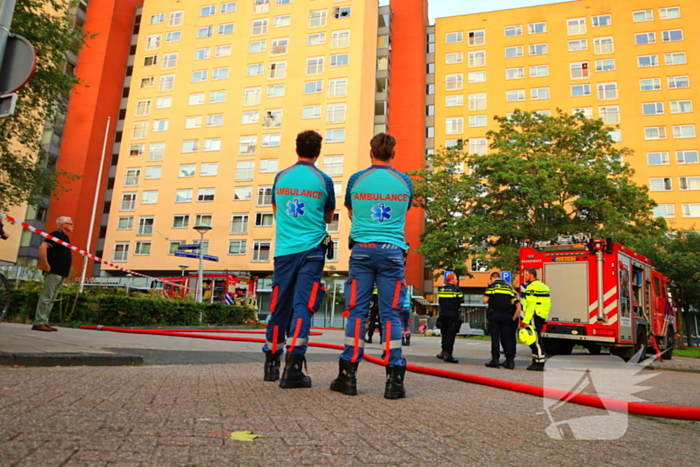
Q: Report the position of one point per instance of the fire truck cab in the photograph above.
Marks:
(240, 290)
(603, 295)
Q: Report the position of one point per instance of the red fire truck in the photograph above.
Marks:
(603, 295)
(242, 289)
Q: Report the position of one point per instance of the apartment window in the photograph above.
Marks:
(665, 210)
(453, 58)
(335, 136)
(340, 39)
(683, 131)
(680, 107)
(239, 224)
(251, 117)
(139, 130)
(256, 69)
(578, 45)
(340, 60)
(196, 98)
(453, 37)
(610, 114)
(149, 197)
(242, 193)
(337, 87)
(511, 31)
(313, 87)
(333, 166)
(205, 32)
(173, 36)
(160, 125)
(477, 101)
(576, 26)
(145, 226)
(183, 195)
(651, 84)
(335, 113)
(657, 158)
(539, 71)
(314, 65)
(264, 196)
(342, 12)
(602, 20)
(278, 70)
(174, 246)
(169, 61)
(653, 108)
(166, 82)
(645, 61)
(275, 90)
(157, 19)
(187, 170)
(477, 121)
(131, 177)
(338, 189)
(538, 49)
(655, 132)
(215, 120)
(691, 210)
(477, 58)
(150, 60)
(454, 82)
(225, 29)
(136, 149)
(660, 184)
(316, 39)
(163, 102)
(212, 144)
(672, 35)
(678, 82)
(603, 45)
(454, 125)
(203, 219)
(222, 51)
(279, 46)
(478, 146)
(143, 107)
(269, 166)
(261, 6)
(208, 10)
(586, 111)
(687, 157)
(273, 119)
(259, 27)
(271, 141)
(536, 28)
(476, 77)
(147, 82)
(193, 122)
(477, 37)
(190, 145)
(607, 91)
(642, 15)
(121, 252)
(153, 172)
(128, 202)
(202, 54)
(252, 96)
(334, 226)
(199, 76)
(513, 52)
(258, 46)
(318, 18)
(205, 195)
(156, 151)
(645, 38)
(539, 93)
(237, 247)
(677, 58)
(281, 21)
(579, 90)
(515, 95)
(605, 65)
(261, 252)
(579, 70)
(669, 13)
(689, 183)
(247, 145)
(125, 223)
(311, 111)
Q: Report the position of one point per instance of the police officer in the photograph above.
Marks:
(377, 200)
(450, 299)
(502, 314)
(406, 320)
(303, 202)
(536, 309)
(373, 321)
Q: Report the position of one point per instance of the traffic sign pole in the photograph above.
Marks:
(7, 9)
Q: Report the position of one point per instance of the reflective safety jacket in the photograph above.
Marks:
(450, 298)
(500, 295)
(537, 300)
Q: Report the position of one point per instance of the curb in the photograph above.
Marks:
(67, 359)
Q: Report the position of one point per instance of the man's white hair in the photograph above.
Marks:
(62, 219)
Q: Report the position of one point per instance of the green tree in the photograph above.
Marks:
(24, 174)
(446, 194)
(553, 175)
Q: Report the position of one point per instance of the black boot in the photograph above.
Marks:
(346, 382)
(441, 355)
(509, 364)
(408, 340)
(536, 366)
(493, 363)
(449, 358)
(369, 340)
(394, 382)
(292, 376)
(272, 366)
(403, 341)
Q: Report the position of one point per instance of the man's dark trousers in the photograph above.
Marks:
(502, 330)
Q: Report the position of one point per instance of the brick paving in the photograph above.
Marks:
(162, 415)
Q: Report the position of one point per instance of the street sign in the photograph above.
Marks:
(7, 105)
(506, 276)
(182, 254)
(18, 64)
(189, 247)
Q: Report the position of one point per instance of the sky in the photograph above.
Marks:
(441, 8)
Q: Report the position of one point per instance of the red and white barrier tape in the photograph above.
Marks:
(83, 252)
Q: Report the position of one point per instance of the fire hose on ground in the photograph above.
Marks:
(635, 408)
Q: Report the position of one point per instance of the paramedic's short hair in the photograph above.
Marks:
(309, 144)
(62, 220)
(383, 146)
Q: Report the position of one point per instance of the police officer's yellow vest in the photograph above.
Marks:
(537, 300)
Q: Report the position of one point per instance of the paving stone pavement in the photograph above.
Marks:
(162, 415)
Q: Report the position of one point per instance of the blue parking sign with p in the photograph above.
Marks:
(506, 276)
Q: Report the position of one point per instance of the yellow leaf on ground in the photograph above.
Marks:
(243, 436)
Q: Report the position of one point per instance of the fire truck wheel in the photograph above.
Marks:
(594, 349)
(667, 354)
(557, 346)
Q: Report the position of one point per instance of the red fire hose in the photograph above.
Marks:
(635, 408)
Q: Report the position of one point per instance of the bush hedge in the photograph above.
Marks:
(124, 311)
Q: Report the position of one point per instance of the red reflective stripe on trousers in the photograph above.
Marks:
(353, 294)
(356, 342)
(397, 294)
(387, 342)
(275, 334)
(296, 335)
(312, 297)
(273, 302)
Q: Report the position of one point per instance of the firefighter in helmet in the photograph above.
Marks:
(536, 309)
(450, 299)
